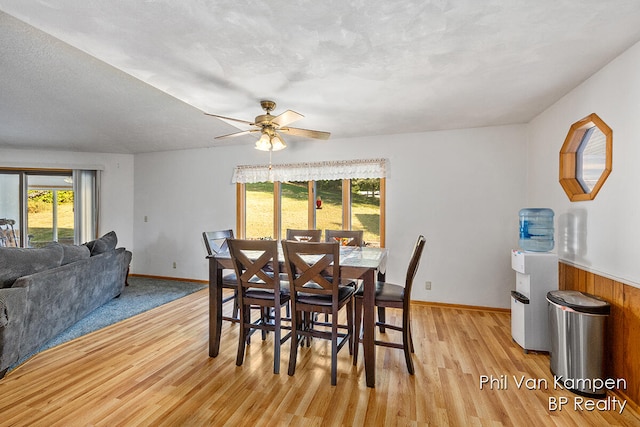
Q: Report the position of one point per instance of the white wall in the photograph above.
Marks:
(600, 235)
(117, 183)
(462, 189)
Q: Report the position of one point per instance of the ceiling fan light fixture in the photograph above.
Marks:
(277, 143)
(264, 143)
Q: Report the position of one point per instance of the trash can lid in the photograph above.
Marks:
(579, 301)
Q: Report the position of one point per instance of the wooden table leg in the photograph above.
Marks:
(215, 306)
(369, 328)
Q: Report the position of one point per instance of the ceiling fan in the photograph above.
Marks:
(270, 128)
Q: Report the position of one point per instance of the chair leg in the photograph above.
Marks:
(295, 327)
(410, 338)
(350, 325)
(276, 341)
(307, 324)
(407, 345)
(334, 350)
(356, 329)
(382, 318)
(264, 315)
(236, 308)
(242, 334)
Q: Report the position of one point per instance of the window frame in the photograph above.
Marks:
(79, 227)
(569, 161)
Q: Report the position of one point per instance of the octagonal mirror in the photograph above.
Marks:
(585, 158)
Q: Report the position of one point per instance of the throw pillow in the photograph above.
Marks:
(105, 243)
(18, 262)
(73, 253)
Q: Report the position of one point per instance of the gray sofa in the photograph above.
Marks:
(44, 291)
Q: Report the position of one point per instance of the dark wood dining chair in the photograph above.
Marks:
(216, 242)
(393, 296)
(257, 268)
(345, 237)
(303, 235)
(315, 285)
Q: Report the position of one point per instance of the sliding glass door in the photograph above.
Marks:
(50, 213)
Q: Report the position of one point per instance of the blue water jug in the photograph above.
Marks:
(536, 229)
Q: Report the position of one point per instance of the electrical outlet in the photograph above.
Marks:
(174, 264)
(427, 285)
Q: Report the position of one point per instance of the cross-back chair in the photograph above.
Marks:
(345, 237)
(393, 296)
(258, 271)
(216, 242)
(303, 235)
(315, 285)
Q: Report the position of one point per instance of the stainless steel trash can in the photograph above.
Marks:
(577, 325)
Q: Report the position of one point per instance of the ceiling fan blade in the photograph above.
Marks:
(233, 135)
(316, 134)
(232, 119)
(287, 117)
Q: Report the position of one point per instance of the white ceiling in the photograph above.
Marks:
(136, 76)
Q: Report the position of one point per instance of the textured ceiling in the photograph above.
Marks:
(135, 76)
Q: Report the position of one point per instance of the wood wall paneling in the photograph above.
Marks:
(622, 358)
(630, 340)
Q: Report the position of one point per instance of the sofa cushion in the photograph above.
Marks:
(73, 253)
(18, 262)
(105, 243)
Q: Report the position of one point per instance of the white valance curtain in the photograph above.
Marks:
(311, 171)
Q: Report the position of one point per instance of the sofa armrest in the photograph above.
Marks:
(13, 302)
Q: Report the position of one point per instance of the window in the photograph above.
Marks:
(259, 198)
(585, 158)
(590, 158)
(294, 202)
(38, 207)
(365, 208)
(330, 211)
(273, 203)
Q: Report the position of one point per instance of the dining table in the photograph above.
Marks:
(361, 263)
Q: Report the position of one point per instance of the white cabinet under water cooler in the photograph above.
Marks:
(536, 274)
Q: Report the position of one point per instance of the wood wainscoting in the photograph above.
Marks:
(623, 326)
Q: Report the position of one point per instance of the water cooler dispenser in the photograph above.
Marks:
(536, 274)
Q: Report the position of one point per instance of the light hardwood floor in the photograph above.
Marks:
(153, 369)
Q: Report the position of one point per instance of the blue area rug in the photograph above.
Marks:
(141, 295)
